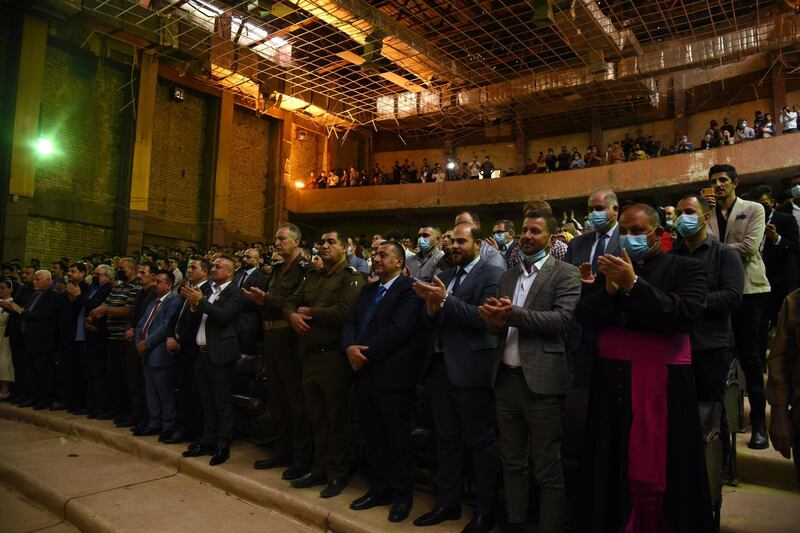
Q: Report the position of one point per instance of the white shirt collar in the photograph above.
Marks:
(250, 270)
(389, 283)
(610, 231)
(221, 287)
(537, 266)
(471, 264)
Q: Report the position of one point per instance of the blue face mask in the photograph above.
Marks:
(500, 239)
(687, 225)
(349, 252)
(599, 219)
(424, 244)
(314, 251)
(670, 223)
(635, 245)
(796, 191)
(532, 258)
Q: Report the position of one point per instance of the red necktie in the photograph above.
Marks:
(150, 318)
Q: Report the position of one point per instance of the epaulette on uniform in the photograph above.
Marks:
(352, 269)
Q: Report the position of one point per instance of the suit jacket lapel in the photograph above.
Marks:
(510, 283)
(542, 278)
(738, 207)
(468, 278)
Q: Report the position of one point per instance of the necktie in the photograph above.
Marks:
(599, 250)
(459, 275)
(362, 330)
(150, 318)
(243, 279)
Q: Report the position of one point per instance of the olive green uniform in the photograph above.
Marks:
(287, 406)
(326, 371)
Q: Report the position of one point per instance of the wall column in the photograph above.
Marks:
(25, 130)
(142, 151)
(222, 169)
(596, 137)
(520, 150)
(680, 121)
(778, 94)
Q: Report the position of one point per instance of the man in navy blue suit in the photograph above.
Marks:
(378, 338)
(460, 363)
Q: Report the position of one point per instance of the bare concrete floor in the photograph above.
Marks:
(99, 478)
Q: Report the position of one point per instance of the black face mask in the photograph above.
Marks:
(767, 210)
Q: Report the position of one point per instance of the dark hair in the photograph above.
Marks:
(168, 273)
(80, 267)
(474, 216)
(7, 282)
(204, 265)
(340, 235)
(730, 170)
(760, 191)
(648, 210)
(700, 200)
(550, 220)
(61, 264)
(397, 249)
(508, 225)
(151, 265)
(474, 231)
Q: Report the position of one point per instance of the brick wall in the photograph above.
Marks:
(49, 239)
(179, 144)
(304, 156)
(249, 160)
(80, 113)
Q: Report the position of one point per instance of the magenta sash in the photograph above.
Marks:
(649, 355)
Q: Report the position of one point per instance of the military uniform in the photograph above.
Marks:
(326, 371)
(284, 366)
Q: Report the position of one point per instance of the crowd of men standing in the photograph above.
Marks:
(499, 329)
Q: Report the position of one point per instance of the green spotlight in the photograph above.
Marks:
(44, 146)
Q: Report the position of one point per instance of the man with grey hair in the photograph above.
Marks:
(39, 327)
(293, 447)
(422, 265)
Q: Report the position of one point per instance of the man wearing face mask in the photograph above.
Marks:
(503, 237)
(422, 265)
(354, 261)
(643, 313)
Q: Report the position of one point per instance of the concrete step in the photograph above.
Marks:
(767, 468)
(129, 466)
(22, 515)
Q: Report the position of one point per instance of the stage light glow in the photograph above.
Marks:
(44, 146)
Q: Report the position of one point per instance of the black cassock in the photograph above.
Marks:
(643, 468)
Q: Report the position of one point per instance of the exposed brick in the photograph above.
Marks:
(49, 239)
(304, 157)
(249, 161)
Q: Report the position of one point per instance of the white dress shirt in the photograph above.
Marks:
(524, 283)
(201, 331)
(597, 234)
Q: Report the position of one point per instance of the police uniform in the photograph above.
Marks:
(326, 371)
(284, 367)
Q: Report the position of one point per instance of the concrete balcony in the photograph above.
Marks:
(768, 160)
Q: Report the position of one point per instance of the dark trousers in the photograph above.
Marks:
(530, 426)
(384, 417)
(134, 379)
(464, 417)
(769, 316)
(214, 384)
(326, 386)
(286, 403)
(41, 370)
(74, 375)
(159, 383)
(746, 323)
(116, 362)
(248, 342)
(710, 369)
(190, 406)
(94, 363)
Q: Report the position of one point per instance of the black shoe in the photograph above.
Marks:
(333, 488)
(81, 411)
(146, 432)
(437, 515)
(57, 406)
(165, 435)
(16, 399)
(178, 437)
(220, 456)
(91, 415)
(27, 403)
(41, 405)
(399, 512)
(125, 423)
(198, 450)
(272, 462)
(758, 437)
(108, 415)
(515, 528)
(480, 523)
(139, 427)
(309, 480)
(296, 471)
(368, 501)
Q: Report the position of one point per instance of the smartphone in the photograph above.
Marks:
(707, 191)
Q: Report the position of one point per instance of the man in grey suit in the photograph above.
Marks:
(459, 363)
(532, 311)
(583, 252)
(150, 336)
(218, 347)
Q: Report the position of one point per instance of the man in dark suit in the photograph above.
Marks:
(248, 324)
(21, 388)
(532, 311)
(780, 250)
(181, 341)
(39, 327)
(459, 362)
(218, 346)
(72, 337)
(158, 366)
(583, 252)
(93, 354)
(378, 338)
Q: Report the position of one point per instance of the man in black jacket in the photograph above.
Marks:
(378, 338)
(72, 336)
(40, 329)
(218, 347)
(248, 324)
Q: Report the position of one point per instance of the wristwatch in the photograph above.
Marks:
(441, 304)
(628, 292)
